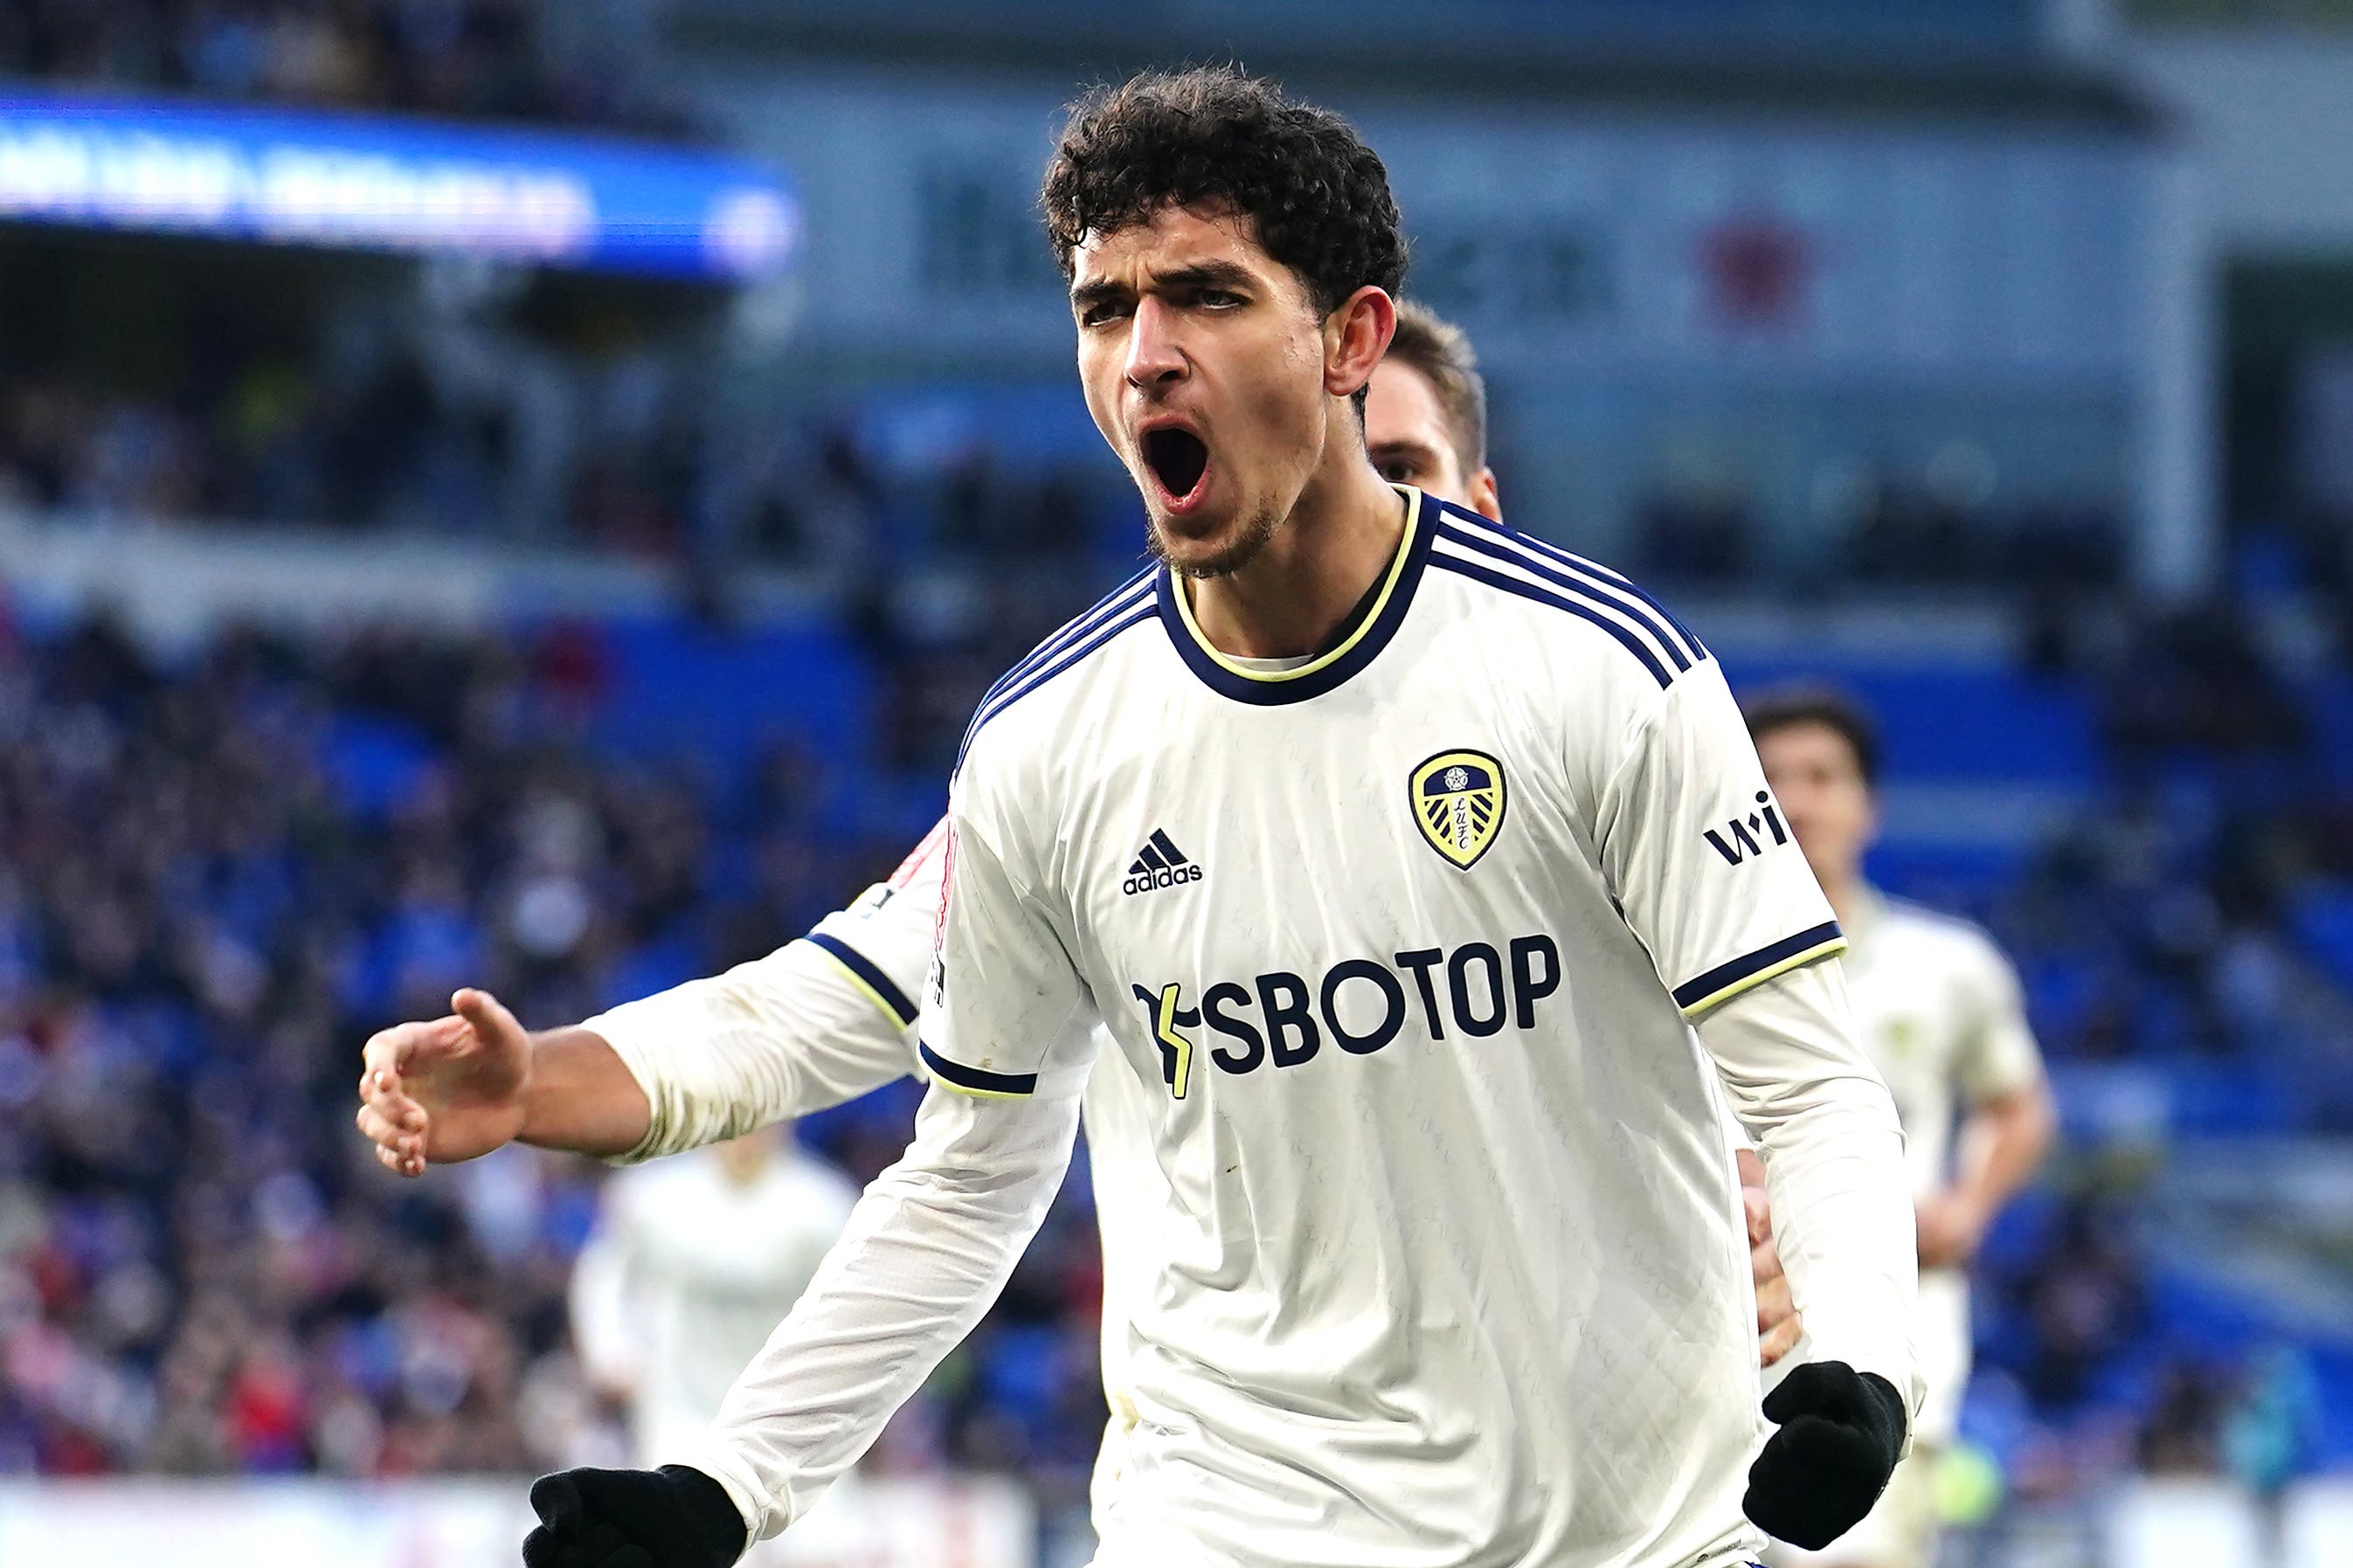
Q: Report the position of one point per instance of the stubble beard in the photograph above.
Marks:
(1249, 537)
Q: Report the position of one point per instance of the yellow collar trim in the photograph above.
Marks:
(1372, 617)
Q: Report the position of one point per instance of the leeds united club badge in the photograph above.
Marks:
(1458, 799)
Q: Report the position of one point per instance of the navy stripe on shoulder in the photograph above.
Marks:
(1597, 572)
(1584, 612)
(1593, 579)
(978, 1078)
(868, 971)
(1496, 549)
(1727, 975)
(1009, 691)
(1120, 599)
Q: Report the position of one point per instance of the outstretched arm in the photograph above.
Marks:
(712, 1059)
(818, 1022)
(455, 1088)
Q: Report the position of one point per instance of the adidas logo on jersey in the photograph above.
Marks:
(1161, 864)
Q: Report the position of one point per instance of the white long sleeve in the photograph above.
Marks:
(926, 1252)
(818, 1022)
(1834, 1155)
(780, 1036)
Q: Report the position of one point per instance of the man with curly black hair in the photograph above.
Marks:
(1287, 252)
(1394, 855)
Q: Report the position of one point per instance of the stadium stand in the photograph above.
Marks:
(225, 860)
(492, 60)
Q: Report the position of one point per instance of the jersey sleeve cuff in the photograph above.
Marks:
(634, 1030)
(1726, 981)
(868, 977)
(978, 1080)
(764, 1515)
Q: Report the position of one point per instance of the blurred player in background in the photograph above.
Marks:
(1939, 1010)
(1425, 413)
(691, 1264)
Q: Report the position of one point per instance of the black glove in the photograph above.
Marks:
(1840, 1433)
(670, 1518)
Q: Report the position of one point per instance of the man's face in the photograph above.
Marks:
(1204, 364)
(1813, 772)
(1408, 437)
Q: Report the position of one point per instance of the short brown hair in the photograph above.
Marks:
(1441, 351)
(1216, 136)
(1788, 707)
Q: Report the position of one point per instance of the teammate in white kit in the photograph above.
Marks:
(827, 1019)
(1938, 1008)
(691, 1264)
(1467, 1288)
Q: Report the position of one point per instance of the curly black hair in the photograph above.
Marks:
(1214, 136)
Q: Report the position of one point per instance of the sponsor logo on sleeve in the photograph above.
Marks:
(1744, 838)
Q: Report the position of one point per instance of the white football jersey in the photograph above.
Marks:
(1938, 1009)
(1398, 948)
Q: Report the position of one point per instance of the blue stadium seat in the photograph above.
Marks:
(2321, 916)
(1954, 722)
(687, 691)
(374, 762)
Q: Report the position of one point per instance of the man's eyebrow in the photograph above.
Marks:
(1411, 447)
(1208, 275)
(1198, 275)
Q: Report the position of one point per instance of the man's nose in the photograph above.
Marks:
(1154, 357)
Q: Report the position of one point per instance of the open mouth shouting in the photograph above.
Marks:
(1178, 461)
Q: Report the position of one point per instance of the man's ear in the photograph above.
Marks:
(1486, 499)
(1355, 336)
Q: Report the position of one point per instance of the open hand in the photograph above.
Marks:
(450, 1089)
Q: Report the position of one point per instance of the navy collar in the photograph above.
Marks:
(1331, 669)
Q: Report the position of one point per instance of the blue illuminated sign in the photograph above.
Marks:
(300, 177)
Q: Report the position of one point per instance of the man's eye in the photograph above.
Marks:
(1096, 315)
(1218, 299)
(1396, 471)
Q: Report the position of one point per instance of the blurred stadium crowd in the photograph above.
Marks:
(489, 59)
(215, 874)
(388, 446)
(222, 868)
